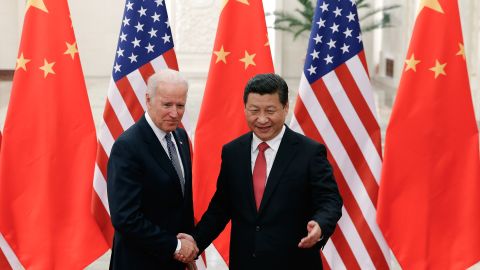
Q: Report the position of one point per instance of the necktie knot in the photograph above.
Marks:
(168, 136)
(262, 147)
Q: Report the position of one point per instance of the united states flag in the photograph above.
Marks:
(335, 107)
(145, 46)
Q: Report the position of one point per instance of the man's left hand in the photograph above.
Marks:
(314, 234)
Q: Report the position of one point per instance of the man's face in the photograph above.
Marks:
(265, 115)
(167, 106)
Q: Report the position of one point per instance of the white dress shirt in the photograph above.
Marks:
(270, 152)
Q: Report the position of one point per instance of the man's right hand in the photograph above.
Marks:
(188, 252)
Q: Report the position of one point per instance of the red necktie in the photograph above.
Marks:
(260, 173)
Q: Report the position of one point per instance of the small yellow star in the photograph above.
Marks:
(71, 49)
(245, 2)
(411, 63)
(221, 55)
(37, 4)
(22, 62)
(47, 68)
(438, 69)
(461, 51)
(267, 43)
(433, 4)
(248, 59)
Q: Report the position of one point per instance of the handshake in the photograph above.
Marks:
(188, 251)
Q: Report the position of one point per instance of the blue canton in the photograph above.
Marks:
(334, 39)
(145, 34)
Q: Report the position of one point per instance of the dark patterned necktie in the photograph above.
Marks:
(175, 160)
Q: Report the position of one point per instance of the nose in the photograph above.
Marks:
(262, 119)
(174, 111)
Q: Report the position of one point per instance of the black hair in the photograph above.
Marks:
(268, 83)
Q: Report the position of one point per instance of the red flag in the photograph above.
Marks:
(4, 265)
(241, 51)
(429, 198)
(48, 152)
(335, 106)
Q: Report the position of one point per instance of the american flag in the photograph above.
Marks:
(145, 46)
(335, 106)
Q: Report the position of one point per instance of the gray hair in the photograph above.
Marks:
(164, 76)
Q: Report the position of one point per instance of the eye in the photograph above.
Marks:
(270, 112)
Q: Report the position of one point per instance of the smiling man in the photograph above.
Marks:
(275, 185)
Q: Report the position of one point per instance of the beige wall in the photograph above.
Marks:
(9, 29)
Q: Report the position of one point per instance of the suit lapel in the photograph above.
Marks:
(245, 168)
(157, 151)
(285, 154)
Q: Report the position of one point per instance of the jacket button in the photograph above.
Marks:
(254, 255)
(257, 228)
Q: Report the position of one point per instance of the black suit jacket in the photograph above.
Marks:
(300, 187)
(146, 202)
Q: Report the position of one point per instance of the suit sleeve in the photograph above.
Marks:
(217, 215)
(124, 196)
(327, 203)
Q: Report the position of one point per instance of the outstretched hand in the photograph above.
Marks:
(314, 235)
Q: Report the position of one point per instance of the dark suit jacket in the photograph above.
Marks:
(300, 187)
(145, 197)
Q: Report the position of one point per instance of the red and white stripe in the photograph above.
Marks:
(338, 110)
(125, 105)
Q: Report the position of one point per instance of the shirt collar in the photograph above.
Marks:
(158, 132)
(274, 143)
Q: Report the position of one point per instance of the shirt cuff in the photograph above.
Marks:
(179, 245)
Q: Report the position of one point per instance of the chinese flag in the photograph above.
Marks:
(48, 151)
(429, 198)
(241, 50)
(3, 261)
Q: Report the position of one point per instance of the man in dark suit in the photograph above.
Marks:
(149, 183)
(275, 185)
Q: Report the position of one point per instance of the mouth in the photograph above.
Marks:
(263, 129)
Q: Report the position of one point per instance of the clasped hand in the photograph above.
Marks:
(189, 250)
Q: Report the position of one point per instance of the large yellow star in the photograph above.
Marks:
(224, 3)
(22, 62)
(245, 2)
(411, 63)
(71, 49)
(438, 69)
(37, 4)
(433, 4)
(47, 68)
(248, 59)
(221, 55)
(461, 51)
